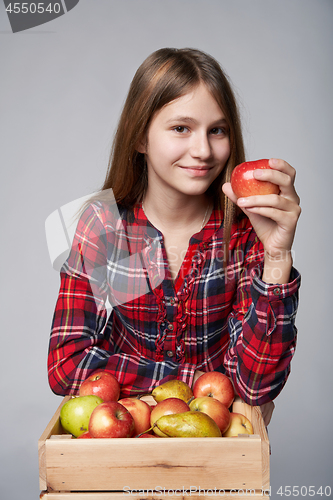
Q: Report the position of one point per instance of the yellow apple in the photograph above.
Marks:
(239, 424)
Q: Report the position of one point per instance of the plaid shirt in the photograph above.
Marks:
(214, 319)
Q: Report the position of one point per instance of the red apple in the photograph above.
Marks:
(102, 384)
(239, 424)
(167, 407)
(244, 184)
(140, 411)
(214, 409)
(112, 420)
(85, 435)
(215, 385)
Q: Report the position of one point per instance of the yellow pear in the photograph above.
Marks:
(188, 424)
(172, 389)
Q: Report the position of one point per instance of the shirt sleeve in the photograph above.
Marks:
(262, 332)
(81, 335)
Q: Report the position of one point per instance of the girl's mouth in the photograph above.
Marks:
(197, 171)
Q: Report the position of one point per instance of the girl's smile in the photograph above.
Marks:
(197, 171)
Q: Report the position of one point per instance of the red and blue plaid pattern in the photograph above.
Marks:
(216, 319)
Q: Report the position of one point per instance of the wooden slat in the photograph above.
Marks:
(260, 428)
(102, 464)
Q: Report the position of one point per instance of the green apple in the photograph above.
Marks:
(75, 414)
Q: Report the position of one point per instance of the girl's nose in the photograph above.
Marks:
(200, 147)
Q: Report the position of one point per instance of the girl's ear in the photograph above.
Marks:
(141, 145)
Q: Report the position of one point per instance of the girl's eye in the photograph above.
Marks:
(218, 131)
(180, 129)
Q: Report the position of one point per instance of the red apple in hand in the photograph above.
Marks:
(215, 385)
(214, 409)
(140, 412)
(167, 407)
(244, 184)
(102, 384)
(112, 420)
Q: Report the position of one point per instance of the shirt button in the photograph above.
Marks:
(170, 354)
(170, 326)
(277, 290)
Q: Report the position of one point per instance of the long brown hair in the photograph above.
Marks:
(165, 75)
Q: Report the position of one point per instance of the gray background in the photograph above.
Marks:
(62, 88)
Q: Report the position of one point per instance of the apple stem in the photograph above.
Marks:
(145, 432)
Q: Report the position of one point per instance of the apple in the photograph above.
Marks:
(244, 184)
(167, 407)
(214, 409)
(239, 424)
(140, 411)
(111, 420)
(102, 384)
(76, 412)
(85, 435)
(215, 385)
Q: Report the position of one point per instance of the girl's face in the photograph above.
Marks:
(187, 145)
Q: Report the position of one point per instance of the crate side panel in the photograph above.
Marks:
(260, 428)
(142, 464)
(253, 413)
(53, 428)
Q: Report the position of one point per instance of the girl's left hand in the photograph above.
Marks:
(274, 217)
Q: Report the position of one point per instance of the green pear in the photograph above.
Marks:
(75, 414)
(172, 389)
(188, 424)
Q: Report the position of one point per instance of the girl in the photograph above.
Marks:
(197, 279)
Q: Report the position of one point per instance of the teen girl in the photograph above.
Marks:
(197, 280)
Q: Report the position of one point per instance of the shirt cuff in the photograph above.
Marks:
(277, 291)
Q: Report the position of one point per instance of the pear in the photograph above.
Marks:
(172, 389)
(188, 424)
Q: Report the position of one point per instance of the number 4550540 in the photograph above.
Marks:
(304, 491)
(32, 8)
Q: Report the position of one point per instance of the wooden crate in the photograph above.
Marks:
(155, 469)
